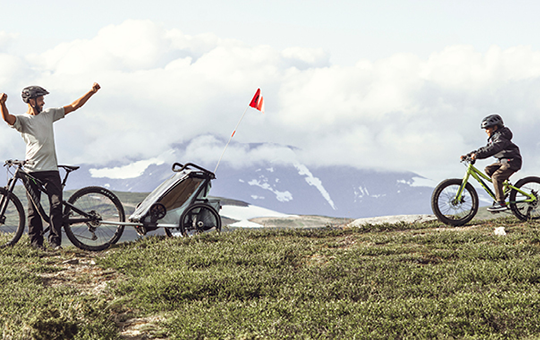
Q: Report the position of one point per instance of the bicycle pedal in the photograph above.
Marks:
(141, 230)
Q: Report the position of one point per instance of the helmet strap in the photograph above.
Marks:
(36, 108)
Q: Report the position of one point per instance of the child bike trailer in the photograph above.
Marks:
(180, 204)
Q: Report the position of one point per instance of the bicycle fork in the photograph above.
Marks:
(458, 199)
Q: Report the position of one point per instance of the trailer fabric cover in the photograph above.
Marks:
(172, 193)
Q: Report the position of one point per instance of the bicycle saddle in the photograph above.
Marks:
(69, 167)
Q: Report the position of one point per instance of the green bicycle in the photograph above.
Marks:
(455, 201)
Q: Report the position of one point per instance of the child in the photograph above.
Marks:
(501, 147)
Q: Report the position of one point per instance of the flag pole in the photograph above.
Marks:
(219, 161)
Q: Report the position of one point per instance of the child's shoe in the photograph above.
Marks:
(498, 207)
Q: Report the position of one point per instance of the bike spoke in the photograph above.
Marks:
(97, 205)
(531, 209)
(453, 208)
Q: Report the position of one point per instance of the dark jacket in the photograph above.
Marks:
(501, 147)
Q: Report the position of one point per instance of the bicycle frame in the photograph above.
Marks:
(26, 178)
(479, 176)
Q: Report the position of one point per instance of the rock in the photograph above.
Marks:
(392, 219)
(499, 231)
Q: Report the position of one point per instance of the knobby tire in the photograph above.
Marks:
(526, 211)
(103, 204)
(12, 228)
(447, 210)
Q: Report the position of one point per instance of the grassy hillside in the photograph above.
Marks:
(375, 282)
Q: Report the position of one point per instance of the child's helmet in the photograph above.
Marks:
(33, 92)
(492, 120)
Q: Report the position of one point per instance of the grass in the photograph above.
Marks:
(30, 309)
(403, 281)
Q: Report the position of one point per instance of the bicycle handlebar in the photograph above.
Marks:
(468, 159)
(16, 162)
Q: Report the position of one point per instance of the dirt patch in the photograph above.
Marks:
(140, 328)
(79, 271)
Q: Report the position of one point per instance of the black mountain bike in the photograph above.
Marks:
(92, 217)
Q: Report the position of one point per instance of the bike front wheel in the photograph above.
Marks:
(522, 209)
(199, 218)
(448, 209)
(12, 220)
(84, 224)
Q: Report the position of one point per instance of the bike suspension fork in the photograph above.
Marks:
(462, 187)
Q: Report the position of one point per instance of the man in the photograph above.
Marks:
(500, 146)
(36, 128)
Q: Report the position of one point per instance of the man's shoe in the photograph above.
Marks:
(497, 207)
(58, 248)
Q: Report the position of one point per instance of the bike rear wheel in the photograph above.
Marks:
(449, 210)
(102, 205)
(12, 221)
(526, 210)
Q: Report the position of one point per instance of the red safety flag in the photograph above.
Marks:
(257, 102)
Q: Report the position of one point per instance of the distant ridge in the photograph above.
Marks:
(293, 189)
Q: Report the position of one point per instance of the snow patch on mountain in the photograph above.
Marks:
(314, 181)
(262, 182)
(361, 192)
(423, 182)
(243, 214)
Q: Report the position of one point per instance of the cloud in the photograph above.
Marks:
(6, 40)
(162, 88)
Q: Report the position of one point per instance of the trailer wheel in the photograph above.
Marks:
(199, 218)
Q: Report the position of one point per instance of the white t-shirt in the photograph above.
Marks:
(38, 134)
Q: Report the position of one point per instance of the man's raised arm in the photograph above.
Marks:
(10, 119)
(81, 101)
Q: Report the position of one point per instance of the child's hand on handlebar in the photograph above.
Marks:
(471, 157)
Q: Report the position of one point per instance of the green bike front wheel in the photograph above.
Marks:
(450, 210)
(518, 201)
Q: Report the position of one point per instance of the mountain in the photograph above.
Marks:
(294, 188)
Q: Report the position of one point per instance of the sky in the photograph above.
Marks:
(387, 85)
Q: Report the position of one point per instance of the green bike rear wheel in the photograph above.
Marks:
(526, 210)
(449, 210)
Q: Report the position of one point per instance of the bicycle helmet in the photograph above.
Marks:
(492, 120)
(30, 92)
